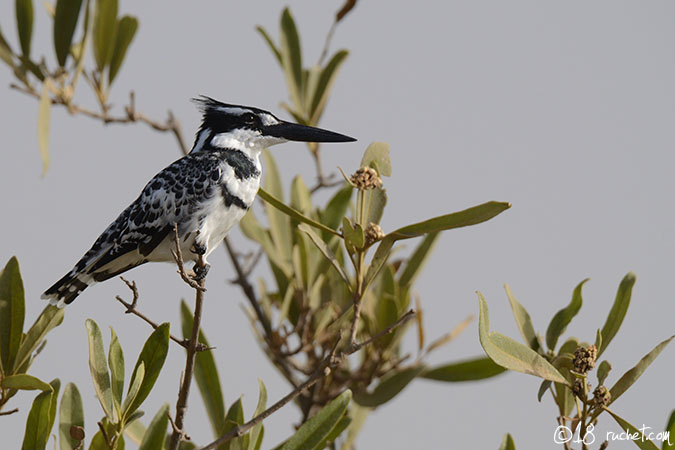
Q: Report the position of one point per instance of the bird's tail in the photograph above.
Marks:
(64, 291)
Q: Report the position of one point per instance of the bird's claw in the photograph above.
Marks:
(201, 271)
(198, 249)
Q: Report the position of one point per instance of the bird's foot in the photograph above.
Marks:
(198, 249)
(201, 271)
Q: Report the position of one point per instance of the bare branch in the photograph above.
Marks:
(178, 257)
(132, 309)
(132, 115)
(11, 411)
(181, 404)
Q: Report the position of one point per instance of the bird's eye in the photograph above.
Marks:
(249, 118)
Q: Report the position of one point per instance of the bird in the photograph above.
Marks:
(205, 194)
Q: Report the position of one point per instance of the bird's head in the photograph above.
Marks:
(252, 129)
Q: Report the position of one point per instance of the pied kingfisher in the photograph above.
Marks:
(205, 193)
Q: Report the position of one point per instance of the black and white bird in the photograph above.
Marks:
(205, 193)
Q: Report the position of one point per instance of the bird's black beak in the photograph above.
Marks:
(303, 133)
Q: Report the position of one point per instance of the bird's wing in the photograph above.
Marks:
(172, 196)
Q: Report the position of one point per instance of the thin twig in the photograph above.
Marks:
(181, 404)
(131, 116)
(11, 411)
(328, 364)
(178, 257)
(132, 309)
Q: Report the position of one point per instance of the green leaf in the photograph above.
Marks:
(507, 443)
(25, 382)
(99, 369)
(325, 251)
(325, 84)
(152, 356)
(71, 414)
(206, 375)
(134, 387)
(467, 217)
(376, 204)
(41, 419)
(292, 212)
(301, 198)
(379, 259)
(471, 370)
(50, 318)
(358, 415)
(105, 22)
(543, 388)
(116, 364)
(252, 229)
(12, 313)
(414, 264)
(65, 21)
(24, 24)
(668, 444)
(523, 321)
(270, 42)
(389, 387)
(126, 30)
(603, 371)
(257, 430)
(353, 234)
(155, 434)
(235, 416)
(335, 432)
(563, 317)
(291, 56)
(512, 354)
(630, 377)
(313, 432)
(6, 53)
(280, 226)
(44, 114)
(618, 311)
(336, 208)
(641, 441)
(377, 157)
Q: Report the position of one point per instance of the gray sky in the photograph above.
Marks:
(564, 109)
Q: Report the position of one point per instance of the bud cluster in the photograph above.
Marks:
(366, 178)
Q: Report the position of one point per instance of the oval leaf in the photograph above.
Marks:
(507, 443)
(291, 56)
(105, 22)
(313, 432)
(24, 24)
(156, 433)
(292, 212)
(152, 356)
(25, 382)
(630, 377)
(126, 30)
(390, 386)
(523, 321)
(377, 157)
(44, 114)
(467, 217)
(618, 311)
(71, 414)
(563, 317)
(50, 318)
(471, 370)
(512, 354)
(324, 85)
(116, 364)
(38, 423)
(99, 369)
(12, 313)
(65, 21)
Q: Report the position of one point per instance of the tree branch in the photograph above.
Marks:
(181, 404)
(132, 309)
(328, 364)
(132, 115)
